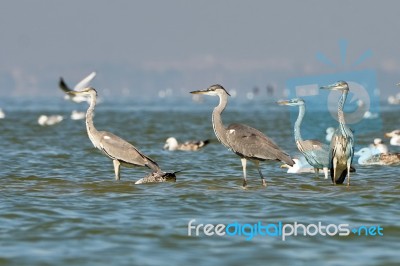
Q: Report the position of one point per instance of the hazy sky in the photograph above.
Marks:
(194, 35)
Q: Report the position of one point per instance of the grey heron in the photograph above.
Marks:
(247, 142)
(315, 152)
(172, 144)
(342, 143)
(120, 151)
(84, 83)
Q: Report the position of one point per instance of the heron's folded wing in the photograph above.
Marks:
(251, 143)
(315, 150)
(119, 149)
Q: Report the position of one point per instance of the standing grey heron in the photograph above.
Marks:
(315, 152)
(342, 143)
(120, 151)
(247, 142)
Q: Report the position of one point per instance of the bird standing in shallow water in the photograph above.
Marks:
(246, 142)
(315, 152)
(120, 151)
(342, 143)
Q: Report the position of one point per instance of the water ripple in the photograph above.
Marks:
(61, 205)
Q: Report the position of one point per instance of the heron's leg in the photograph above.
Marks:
(348, 174)
(244, 162)
(116, 169)
(326, 172)
(316, 171)
(334, 163)
(261, 175)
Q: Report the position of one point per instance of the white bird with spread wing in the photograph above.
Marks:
(84, 83)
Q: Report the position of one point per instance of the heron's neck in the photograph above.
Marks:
(219, 128)
(297, 124)
(91, 130)
(342, 122)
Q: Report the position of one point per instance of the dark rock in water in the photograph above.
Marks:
(157, 177)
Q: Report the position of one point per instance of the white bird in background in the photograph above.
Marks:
(379, 147)
(329, 133)
(370, 115)
(172, 144)
(394, 137)
(84, 83)
(45, 120)
(2, 114)
(367, 157)
(77, 115)
(301, 166)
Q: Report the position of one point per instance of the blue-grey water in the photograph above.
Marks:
(60, 204)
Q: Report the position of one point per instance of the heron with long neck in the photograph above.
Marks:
(342, 143)
(315, 152)
(246, 142)
(120, 151)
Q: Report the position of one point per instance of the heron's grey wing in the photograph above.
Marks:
(121, 150)
(251, 143)
(63, 86)
(85, 82)
(316, 152)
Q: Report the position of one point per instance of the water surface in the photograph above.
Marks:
(61, 206)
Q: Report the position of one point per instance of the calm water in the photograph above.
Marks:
(61, 206)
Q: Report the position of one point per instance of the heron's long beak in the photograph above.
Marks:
(283, 102)
(328, 87)
(334, 86)
(285, 166)
(199, 92)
